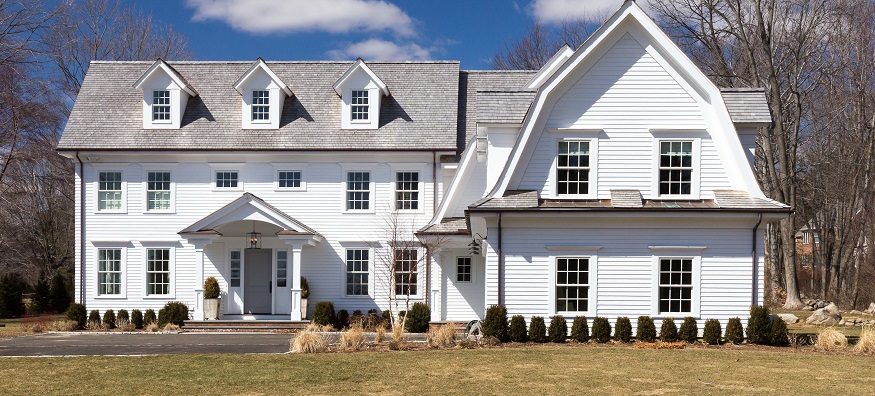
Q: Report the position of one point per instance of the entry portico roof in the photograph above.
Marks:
(248, 207)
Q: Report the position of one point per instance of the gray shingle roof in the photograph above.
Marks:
(448, 226)
(471, 81)
(626, 198)
(420, 114)
(747, 105)
(743, 200)
(503, 107)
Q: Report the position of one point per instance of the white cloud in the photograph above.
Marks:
(334, 16)
(376, 49)
(553, 11)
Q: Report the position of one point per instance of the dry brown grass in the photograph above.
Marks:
(95, 326)
(354, 338)
(170, 327)
(380, 334)
(660, 345)
(398, 331)
(866, 343)
(152, 327)
(125, 325)
(307, 341)
(442, 337)
(830, 339)
(64, 325)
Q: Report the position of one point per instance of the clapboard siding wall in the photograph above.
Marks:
(319, 206)
(462, 301)
(618, 101)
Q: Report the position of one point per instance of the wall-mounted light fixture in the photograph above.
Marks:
(254, 238)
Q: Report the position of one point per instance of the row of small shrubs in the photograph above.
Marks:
(173, 313)
(416, 320)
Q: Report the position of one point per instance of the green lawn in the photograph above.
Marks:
(572, 369)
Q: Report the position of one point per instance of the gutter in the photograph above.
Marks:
(81, 229)
(754, 262)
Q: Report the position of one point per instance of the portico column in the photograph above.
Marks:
(296, 279)
(436, 285)
(198, 308)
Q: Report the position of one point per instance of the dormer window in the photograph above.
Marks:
(161, 106)
(361, 91)
(263, 94)
(359, 104)
(165, 95)
(260, 105)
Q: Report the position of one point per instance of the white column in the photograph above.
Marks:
(296, 280)
(198, 313)
(437, 275)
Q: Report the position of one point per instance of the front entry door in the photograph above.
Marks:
(257, 287)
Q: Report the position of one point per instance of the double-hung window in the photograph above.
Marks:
(406, 280)
(406, 190)
(109, 191)
(158, 272)
(158, 191)
(357, 261)
(359, 105)
(675, 285)
(226, 179)
(260, 105)
(109, 272)
(573, 168)
(463, 269)
(572, 284)
(161, 105)
(236, 259)
(358, 190)
(675, 168)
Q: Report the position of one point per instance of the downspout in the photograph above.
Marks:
(500, 264)
(81, 230)
(753, 258)
(434, 194)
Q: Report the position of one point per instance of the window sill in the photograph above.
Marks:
(160, 297)
(289, 189)
(110, 212)
(230, 189)
(368, 296)
(358, 212)
(122, 296)
(159, 212)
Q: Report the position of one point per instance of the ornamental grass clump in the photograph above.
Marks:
(537, 329)
(734, 331)
(580, 329)
(601, 330)
(137, 319)
(495, 323)
(669, 331)
(623, 330)
(711, 333)
(866, 343)
(443, 336)
(830, 339)
(517, 331)
(646, 329)
(759, 326)
(307, 341)
(353, 338)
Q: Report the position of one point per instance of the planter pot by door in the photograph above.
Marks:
(211, 308)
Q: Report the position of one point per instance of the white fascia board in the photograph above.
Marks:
(463, 172)
(360, 64)
(219, 217)
(260, 64)
(177, 79)
(550, 67)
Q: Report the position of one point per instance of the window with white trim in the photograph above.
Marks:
(358, 190)
(675, 285)
(158, 191)
(407, 190)
(572, 284)
(357, 263)
(235, 268)
(675, 167)
(158, 271)
(109, 191)
(226, 179)
(109, 272)
(406, 276)
(260, 105)
(161, 105)
(289, 179)
(463, 269)
(359, 105)
(282, 265)
(572, 168)
(805, 238)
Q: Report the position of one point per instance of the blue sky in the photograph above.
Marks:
(470, 31)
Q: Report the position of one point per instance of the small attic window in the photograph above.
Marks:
(260, 105)
(161, 105)
(359, 111)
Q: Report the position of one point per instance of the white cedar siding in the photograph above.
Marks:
(747, 135)
(462, 301)
(260, 80)
(625, 94)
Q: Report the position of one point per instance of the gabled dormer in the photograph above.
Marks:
(165, 94)
(263, 95)
(361, 92)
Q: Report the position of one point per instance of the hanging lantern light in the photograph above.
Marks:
(254, 238)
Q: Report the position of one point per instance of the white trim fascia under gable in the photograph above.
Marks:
(222, 216)
(549, 68)
(260, 64)
(715, 114)
(463, 172)
(360, 64)
(177, 79)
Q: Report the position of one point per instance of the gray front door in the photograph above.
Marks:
(257, 285)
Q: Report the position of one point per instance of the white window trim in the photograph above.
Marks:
(152, 105)
(123, 295)
(172, 292)
(289, 167)
(270, 105)
(593, 281)
(228, 256)
(420, 274)
(395, 168)
(346, 168)
(348, 112)
(226, 167)
(696, 181)
(680, 252)
(593, 169)
(124, 201)
(145, 184)
(456, 269)
(371, 280)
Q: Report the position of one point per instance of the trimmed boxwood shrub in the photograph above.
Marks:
(558, 329)
(601, 329)
(538, 330)
(734, 331)
(323, 314)
(343, 319)
(109, 318)
(646, 329)
(173, 312)
(711, 333)
(689, 331)
(149, 317)
(495, 323)
(759, 326)
(580, 329)
(94, 317)
(517, 330)
(778, 334)
(669, 331)
(137, 319)
(623, 330)
(211, 288)
(77, 313)
(122, 316)
(418, 318)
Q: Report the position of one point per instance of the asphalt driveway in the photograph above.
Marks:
(62, 344)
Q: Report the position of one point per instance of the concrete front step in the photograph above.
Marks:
(244, 325)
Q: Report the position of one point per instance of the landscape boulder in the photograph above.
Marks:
(789, 318)
(871, 309)
(828, 315)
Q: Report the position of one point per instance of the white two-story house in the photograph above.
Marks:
(616, 181)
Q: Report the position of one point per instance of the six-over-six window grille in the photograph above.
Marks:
(675, 167)
(226, 179)
(260, 105)
(161, 105)
(358, 190)
(407, 190)
(289, 179)
(109, 196)
(405, 272)
(572, 284)
(357, 272)
(158, 271)
(675, 285)
(158, 191)
(359, 109)
(572, 169)
(109, 271)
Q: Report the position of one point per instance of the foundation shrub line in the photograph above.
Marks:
(94, 318)
(759, 326)
(357, 317)
(517, 329)
(689, 331)
(149, 317)
(109, 319)
(174, 312)
(323, 314)
(387, 316)
(669, 331)
(211, 288)
(601, 329)
(646, 331)
(778, 333)
(623, 330)
(558, 329)
(123, 315)
(711, 333)
(342, 319)
(734, 331)
(137, 319)
(374, 320)
(77, 313)
(580, 329)
(418, 318)
(537, 329)
(495, 323)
